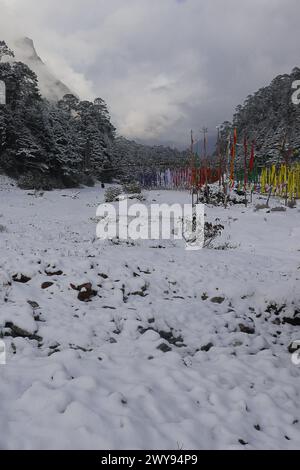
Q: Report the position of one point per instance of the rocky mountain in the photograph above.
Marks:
(50, 86)
(269, 117)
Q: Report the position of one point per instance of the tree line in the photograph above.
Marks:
(51, 144)
(66, 143)
(270, 118)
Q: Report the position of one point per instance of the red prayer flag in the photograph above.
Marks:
(245, 161)
(233, 153)
(252, 158)
(235, 136)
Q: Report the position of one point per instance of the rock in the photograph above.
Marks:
(246, 329)
(17, 332)
(33, 304)
(142, 292)
(80, 348)
(217, 300)
(207, 347)
(278, 209)
(292, 321)
(237, 344)
(54, 273)
(169, 336)
(147, 272)
(166, 335)
(275, 309)
(139, 293)
(294, 347)
(242, 442)
(164, 348)
(104, 276)
(22, 278)
(46, 285)
(86, 292)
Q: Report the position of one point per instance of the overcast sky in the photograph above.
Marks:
(163, 66)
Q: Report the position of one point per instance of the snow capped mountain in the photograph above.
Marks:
(51, 87)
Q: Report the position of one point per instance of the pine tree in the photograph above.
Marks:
(5, 51)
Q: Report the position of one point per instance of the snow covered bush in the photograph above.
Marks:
(34, 181)
(211, 232)
(132, 188)
(88, 180)
(112, 194)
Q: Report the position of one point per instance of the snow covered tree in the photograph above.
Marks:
(268, 116)
(5, 51)
(67, 142)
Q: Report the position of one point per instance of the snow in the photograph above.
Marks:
(94, 375)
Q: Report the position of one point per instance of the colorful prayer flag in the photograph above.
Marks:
(252, 158)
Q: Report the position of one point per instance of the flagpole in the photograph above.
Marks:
(245, 169)
(219, 157)
(252, 168)
(281, 153)
(192, 166)
(205, 131)
(226, 186)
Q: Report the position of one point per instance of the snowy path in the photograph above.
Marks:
(176, 350)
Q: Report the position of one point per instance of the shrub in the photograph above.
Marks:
(278, 209)
(88, 180)
(112, 194)
(211, 232)
(37, 181)
(260, 207)
(132, 188)
(292, 204)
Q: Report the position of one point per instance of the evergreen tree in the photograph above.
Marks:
(5, 51)
(68, 142)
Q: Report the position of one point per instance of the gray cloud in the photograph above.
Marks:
(163, 66)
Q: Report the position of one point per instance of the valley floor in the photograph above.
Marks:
(176, 350)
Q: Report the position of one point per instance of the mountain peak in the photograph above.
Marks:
(50, 86)
(26, 46)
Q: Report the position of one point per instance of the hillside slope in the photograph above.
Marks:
(50, 86)
(268, 117)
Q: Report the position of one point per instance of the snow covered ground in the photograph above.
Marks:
(178, 350)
